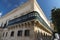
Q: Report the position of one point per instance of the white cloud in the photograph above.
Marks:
(22, 2)
(0, 14)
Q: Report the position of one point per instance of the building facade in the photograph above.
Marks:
(27, 22)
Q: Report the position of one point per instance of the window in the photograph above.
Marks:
(19, 33)
(6, 34)
(3, 34)
(12, 33)
(27, 33)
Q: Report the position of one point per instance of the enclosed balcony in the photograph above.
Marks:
(28, 17)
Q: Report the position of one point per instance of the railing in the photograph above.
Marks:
(27, 17)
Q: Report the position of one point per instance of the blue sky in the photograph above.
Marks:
(8, 5)
(46, 5)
